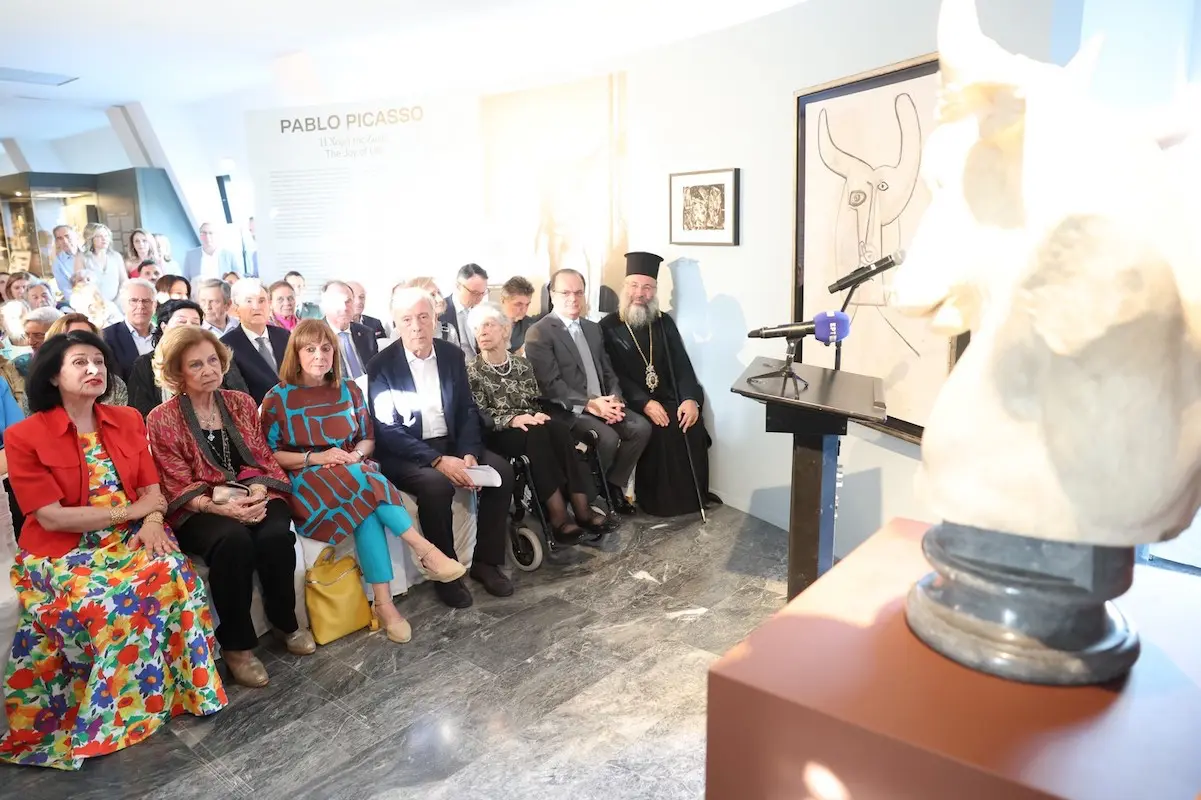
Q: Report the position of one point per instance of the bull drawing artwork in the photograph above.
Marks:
(873, 197)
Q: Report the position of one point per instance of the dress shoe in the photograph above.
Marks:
(248, 670)
(450, 569)
(602, 523)
(453, 593)
(399, 631)
(621, 503)
(299, 642)
(568, 536)
(495, 582)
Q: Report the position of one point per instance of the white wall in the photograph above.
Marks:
(91, 152)
(6, 165)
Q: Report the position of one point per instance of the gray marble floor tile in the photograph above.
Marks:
(433, 629)
(289, 760)
(213, 780)
(330, 673)
(519, 636)
(649, 619)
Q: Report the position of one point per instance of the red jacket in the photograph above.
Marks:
(46, 465)
(187, 469)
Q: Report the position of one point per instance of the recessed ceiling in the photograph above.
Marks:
(169, 51)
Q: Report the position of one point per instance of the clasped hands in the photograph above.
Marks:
(454, 468)
(335, 456)
(608, 408)
(152, 534)
(687, 414)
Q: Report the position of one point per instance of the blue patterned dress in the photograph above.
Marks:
(328, 502)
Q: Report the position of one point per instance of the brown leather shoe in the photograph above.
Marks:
(246, 668)
(299, 642)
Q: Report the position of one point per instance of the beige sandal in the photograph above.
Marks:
(451, 572)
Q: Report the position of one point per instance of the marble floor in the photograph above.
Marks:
(588, 682)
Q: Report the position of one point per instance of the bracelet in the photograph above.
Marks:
(154, 517)
(118, 515)
(307, 453)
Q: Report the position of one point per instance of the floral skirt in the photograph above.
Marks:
(111, 643)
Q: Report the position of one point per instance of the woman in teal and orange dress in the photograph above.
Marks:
(114, 636)
(316, 422)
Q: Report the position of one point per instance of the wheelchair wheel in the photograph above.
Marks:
(526, 547)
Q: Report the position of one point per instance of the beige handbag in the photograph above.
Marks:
(333, 595)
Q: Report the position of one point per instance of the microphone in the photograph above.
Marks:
(827, 327)
(867, 271)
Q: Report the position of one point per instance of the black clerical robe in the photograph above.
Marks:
(662, 483)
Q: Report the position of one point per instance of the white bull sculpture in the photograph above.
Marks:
(1059, 234)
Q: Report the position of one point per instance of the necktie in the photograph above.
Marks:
(264, 348)
(577, 335)
(351, 366)
(465, 333)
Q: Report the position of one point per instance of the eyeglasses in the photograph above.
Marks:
(562, 293)
(471, 291)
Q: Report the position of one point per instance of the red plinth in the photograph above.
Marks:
(834, 699)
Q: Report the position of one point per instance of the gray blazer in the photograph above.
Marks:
(191, 264)
(557, 364)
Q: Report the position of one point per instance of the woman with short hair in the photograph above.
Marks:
(321, 431)
(172, 287)
(115, 634)
(74, 321)
(506, 392)
(227, 498)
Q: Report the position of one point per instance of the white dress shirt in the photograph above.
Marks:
(231, 322)
(429, 395)
(254, 341)
(145, 344)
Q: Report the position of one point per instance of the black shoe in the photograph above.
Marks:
(621, 504)
(712, 499)
(568, 538)
(495, 582)
(454, 594)
(608, 524)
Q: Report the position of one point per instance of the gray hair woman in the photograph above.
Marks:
(506, 392)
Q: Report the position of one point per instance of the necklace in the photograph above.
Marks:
(652, 377)
(507, 366)
(213, 423)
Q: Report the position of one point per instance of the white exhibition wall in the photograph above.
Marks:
(725, 100)
(91, 152)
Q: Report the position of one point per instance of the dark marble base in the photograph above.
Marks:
(588, 682)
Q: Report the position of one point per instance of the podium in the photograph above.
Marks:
(815, 410)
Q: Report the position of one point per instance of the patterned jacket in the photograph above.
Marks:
(188, 468)
(503, 397)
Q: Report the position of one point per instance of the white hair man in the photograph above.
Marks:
(657, 378)
(359, 306)
(133, 336)
(258, 348)
(215, 297)
(427, 433)
(356, 341)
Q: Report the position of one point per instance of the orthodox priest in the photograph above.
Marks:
(657, 379)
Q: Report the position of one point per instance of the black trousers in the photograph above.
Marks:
(233, 552)
(435, 493)
(554, 461)
(620, 444)
(14, 509)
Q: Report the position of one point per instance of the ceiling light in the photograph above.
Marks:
(11, 75)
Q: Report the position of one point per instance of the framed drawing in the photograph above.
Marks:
(704, 207)
(859, 198)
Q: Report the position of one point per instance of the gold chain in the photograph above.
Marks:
(652, 377)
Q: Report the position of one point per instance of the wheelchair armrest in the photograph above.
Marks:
(487, 421)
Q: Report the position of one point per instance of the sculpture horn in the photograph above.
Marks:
(836, 159)
(910, 161)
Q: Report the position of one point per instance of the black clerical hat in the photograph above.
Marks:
(643, 264)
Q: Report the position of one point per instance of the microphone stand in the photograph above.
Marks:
(787, 371)
(838, 344)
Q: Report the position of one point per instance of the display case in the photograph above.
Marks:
(31, 205)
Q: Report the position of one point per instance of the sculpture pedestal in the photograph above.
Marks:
(834, 697)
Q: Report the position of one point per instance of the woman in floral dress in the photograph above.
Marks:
(114, 636)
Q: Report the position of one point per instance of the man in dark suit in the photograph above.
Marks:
(357, 342)
(427, 431)
(373, 324)
(133, 337)
(515, 297)
(568, 355)
(471, 287)
(258, 348)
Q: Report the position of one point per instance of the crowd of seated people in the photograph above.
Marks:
(254, 433)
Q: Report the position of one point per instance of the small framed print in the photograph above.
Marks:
(704, 207)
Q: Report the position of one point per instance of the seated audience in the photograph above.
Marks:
(428, 430)
(442, 330)
(144, 393)
(516, 296)
(106, 267)
(215, 298)
(283, 305)
(572, 368)
(172, 287)
(506, 392)
(317, 424)
(376, 326)
(133, 336)
(142, 250)
(36, 324)
(18, 282)
(148, 270)
(203, 440)
(471, 287)
(119, 392)
(356, 341)
(115, 634)
(87, 300)
(305, 310)
(39, 295)
(258, 348)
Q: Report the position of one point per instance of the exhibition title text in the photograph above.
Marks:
(352, 120)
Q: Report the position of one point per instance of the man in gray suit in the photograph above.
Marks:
(208, 260)
(568, 355)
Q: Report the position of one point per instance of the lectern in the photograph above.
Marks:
(815, 409)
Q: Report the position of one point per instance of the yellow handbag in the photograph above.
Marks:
(333, 594)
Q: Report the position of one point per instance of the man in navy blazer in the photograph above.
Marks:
(427, 430)
(258, 348)
(132, 337)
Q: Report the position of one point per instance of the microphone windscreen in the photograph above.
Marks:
(831, 326)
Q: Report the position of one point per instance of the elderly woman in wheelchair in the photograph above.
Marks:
(506, 392)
